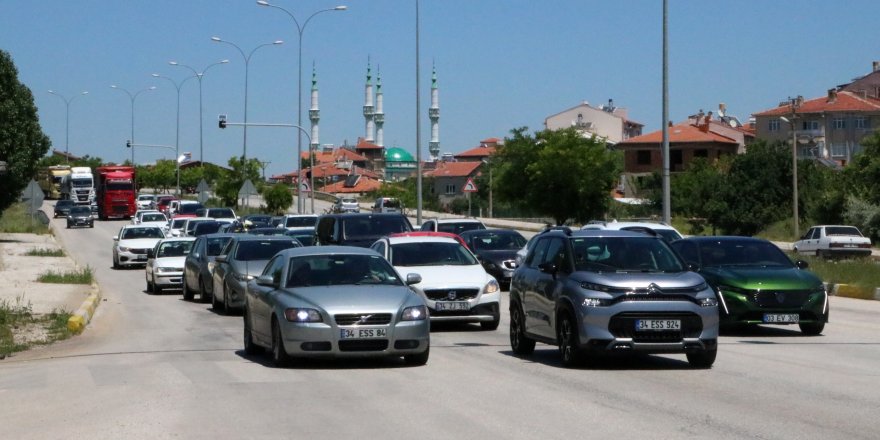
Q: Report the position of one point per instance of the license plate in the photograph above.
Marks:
(781, 318)
(451, 305)
(658, 324)
(362, 333)
(141, 258)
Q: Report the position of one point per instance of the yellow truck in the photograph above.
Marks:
(50, 180)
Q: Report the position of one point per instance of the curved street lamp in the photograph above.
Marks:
(67, 121)
(132, 98)
(199, 76)
(247, 60)
(300, 30)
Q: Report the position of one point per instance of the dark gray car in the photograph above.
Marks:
(80, 215)
(243, 258)
(62, 208)
(198, 264)
(604, 291)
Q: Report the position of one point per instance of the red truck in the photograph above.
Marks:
(115, 192)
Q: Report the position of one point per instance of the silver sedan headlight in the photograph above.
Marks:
(302, 315)
(416, 313)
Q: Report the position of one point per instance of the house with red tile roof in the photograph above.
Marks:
(486, 148)
(448, 179)
(831, 127)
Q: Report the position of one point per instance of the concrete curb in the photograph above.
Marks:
(852, 291)
(78, 321)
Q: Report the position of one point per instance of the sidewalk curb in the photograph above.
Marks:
(78, 321)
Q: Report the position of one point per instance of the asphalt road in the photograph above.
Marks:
(160, 367)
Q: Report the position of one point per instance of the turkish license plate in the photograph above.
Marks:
(362, 333)
(451, 305)
(781, 318)
(658, 324)
(140, 257)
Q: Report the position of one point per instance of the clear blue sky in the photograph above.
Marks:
(501, 65)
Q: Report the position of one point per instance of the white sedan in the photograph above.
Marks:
(130, 246)
(454, 284)
(829, 241)
(164, 269)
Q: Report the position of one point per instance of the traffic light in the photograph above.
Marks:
(128, 144)
(222, 122)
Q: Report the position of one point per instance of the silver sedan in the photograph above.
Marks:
(335, 302)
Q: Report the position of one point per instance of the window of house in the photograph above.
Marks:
(701, 153)
(774, 125)
(675, 157)
(450, 188)
(838, 150)
(811, 125)
(862, 122)
(643, 157)
(839, 123)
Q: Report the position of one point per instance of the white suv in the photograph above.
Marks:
(664, 231)
(451, 225)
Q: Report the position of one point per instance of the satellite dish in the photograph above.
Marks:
(720, 113)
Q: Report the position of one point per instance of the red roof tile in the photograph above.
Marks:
(845, 102)
(480, 151)
(364, 184)
(331, 157)
(454, 169)
(679, 134)
(364, 145)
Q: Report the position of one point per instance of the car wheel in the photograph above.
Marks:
(188, 294)
(812, 328)
(215, 304)
(702, 359)
(279, 354)
(249, 346)
(156, 289)
(115, 261)
(418, 359)
(519, 342)
(149, 286)
(569, 341)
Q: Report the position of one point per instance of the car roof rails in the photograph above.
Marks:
(565, 229)
(643, 229)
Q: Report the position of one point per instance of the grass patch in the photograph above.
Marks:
(21, 329)
(45, 252)
(16, 219)
(78, 276)
(861, 272)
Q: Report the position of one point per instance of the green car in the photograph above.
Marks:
(757, 283)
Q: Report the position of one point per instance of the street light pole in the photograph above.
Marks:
(300, 30)
(67, 120)
(199, 76)
(247, 61)
(132, 98)
(419, 130)
(177, 136)
(794, 104)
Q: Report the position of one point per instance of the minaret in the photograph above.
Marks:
(368, 106)
(434, 115)
(379, 116)
(314, 112)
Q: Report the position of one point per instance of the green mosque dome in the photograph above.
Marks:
(398, 155)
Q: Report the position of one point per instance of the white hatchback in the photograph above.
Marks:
(130, 246)
(454, 284)
(164, 269)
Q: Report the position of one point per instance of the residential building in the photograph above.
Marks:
(486, 148)
(448, 179)
(607, 122)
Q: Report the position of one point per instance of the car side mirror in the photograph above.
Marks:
(413, 278)
(220, 259)
(266, 281)
(195, 254)
(548, 268)
(150, 254)
(115, 238)
(801, 264)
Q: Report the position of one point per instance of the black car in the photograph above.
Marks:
(258, 220)
(80, 215)
(62, 208)
(198, 263)
(360, 230)
(209, 227)
(496, 250)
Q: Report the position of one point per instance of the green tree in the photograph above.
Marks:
(559, 173)
(278, 198)
(229, 182)
(22, 141)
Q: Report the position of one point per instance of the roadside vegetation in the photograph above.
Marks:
(16, 220)
(21, 329)
(45, 252)
(861, 272)
(78, 276)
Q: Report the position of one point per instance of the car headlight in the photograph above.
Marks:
(416, 313)
(302, 315)
(596, 302)
(492, 287)
(124, 249)
(167, 269)
(596, 287)
(242, 277)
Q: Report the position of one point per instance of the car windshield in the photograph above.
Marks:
(80, 210)
(340, 270)
(431, 253)
(153, 217)
(143, 198)
(178, 223)
(391, 203)
(138, 233)
(174, 249)
(300, 222)
(498, 242)
(374, 226)
(250, 250)
(221, 213)
(192, 224)
(259, 218)
(206, 228)
(742, 253)
(64, 203)
(189, 208)
(842, 230)
(458, 227)
(216, 244)
(624, 254)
